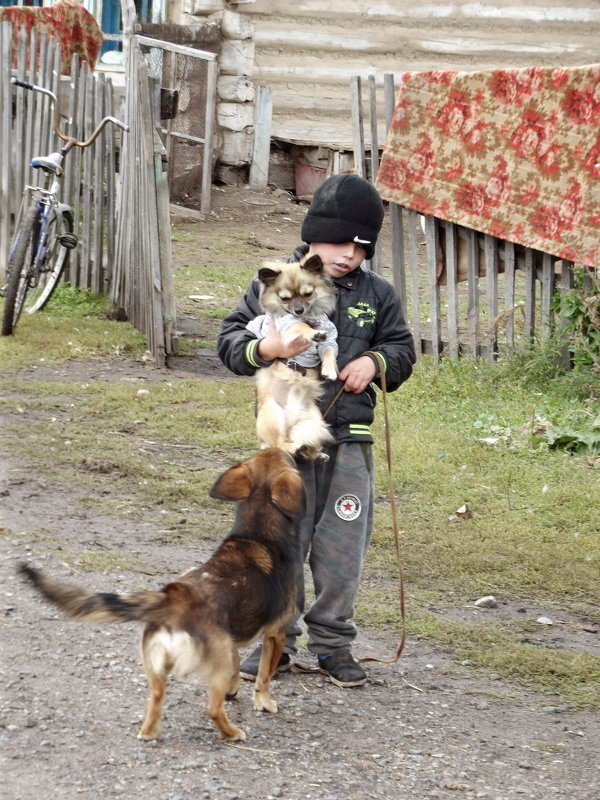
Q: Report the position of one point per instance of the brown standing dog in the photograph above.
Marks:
(196, 624)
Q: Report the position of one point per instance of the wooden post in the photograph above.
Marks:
(491, 274)
(357, 128)
(432, 242)
(396, 223)
(5, 155)
(259, 169)
(546, 293)
(211, 101)
(529, 295)
(566, 285)
(451, 288)
(509, 292)
(473, 291)
(413, 265)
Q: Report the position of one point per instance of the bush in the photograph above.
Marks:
(580, 312)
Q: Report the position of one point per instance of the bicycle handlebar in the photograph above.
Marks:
(73, 142)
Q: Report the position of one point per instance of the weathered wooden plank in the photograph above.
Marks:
(395, 211)
(109, 250)
(473, 320)
(452, 288)
(432, 238)
(19, 127)
(68, 187)
(87, 175)
(167, 310)
(259, 168)
(77, 165)
(375, 263)
(413, 267)
(211, 102)
(547, 291)
(529, 331)
(98, 191)
(32, 103)
(567, 280)
(509, 292)
(491, 273)
(5, 141)
(357, 127)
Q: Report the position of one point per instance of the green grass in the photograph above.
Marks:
(73, 325)
(461, 434)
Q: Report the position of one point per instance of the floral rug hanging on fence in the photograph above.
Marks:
(67, 21)
(513, 153)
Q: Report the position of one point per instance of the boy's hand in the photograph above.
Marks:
(358, 374)
(272, 346)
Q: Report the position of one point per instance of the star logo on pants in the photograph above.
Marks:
(347, 507)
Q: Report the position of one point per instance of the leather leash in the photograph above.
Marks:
(388, 447)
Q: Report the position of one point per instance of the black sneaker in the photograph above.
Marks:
(249, 668)
(342, 669)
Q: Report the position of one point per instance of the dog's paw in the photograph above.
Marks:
(329, 375)
(149, 736)
(319, 336)
(264, 702)
(233, 734)
(322, 458)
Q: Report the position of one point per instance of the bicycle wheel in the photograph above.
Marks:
(56, 262)
(18, 270)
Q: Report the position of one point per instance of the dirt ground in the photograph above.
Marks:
(72, 696)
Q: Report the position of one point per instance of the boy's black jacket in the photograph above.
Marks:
(368, 316)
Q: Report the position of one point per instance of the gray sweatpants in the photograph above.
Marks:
(334, 535)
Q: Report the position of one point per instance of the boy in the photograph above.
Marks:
(341, 226)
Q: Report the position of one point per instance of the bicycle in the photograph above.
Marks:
(44, 238)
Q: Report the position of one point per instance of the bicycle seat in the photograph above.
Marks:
(51, 163)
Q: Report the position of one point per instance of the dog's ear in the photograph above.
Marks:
(288, 493)
(313, 264)
(267, 276)
(235, 484)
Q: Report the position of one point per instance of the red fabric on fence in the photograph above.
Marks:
(514, 153)
(67, 21)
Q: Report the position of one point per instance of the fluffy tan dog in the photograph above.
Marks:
(296, 297)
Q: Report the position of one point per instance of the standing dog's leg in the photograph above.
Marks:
(235, 678)
(157, 667)
(223, 680)
(272, 649)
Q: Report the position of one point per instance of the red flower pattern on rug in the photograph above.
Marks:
(67, 21)
(513, 153)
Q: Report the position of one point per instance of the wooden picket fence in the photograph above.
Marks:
(464, 293)
(117, 188)
(26, 130)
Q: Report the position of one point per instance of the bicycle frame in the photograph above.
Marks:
(46, 201)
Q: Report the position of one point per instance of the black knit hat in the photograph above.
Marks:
(345, 208)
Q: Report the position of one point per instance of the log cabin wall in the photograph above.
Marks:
(307, 51)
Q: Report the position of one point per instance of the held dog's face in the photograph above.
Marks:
(298, 288)
(195, 625)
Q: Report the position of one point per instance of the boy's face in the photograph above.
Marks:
(338, 259)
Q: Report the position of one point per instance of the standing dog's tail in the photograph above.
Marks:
(79, 604)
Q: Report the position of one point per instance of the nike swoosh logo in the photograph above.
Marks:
(361, 241)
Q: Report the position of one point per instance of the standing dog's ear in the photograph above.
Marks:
(266, 275)
(288, 493)
(313, 264)
(235, 484)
